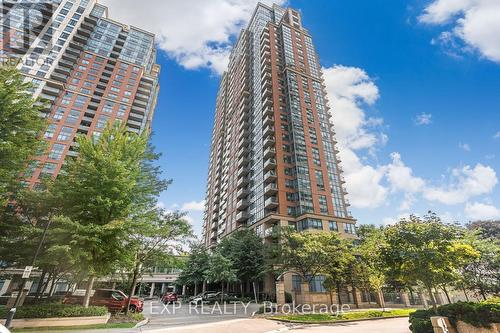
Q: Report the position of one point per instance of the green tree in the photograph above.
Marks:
(99, 191)
(20, 127)
(195, 266)
(369, 269)
(155, 237)
(245, 249)
(220, 270)
(425, 250)
(482, 275)
(303, 252)
(338, 264)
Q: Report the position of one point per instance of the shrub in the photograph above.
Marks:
(476, 314)
(55, 310)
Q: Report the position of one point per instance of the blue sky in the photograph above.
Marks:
(414, 89)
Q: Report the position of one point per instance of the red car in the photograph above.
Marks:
(114, 300)
(169, 298)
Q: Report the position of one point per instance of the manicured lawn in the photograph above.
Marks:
(61, 328)
(354, 315)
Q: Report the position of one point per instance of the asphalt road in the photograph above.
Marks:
(161, 316)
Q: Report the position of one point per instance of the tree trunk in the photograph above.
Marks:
(46, 284)
(195, 288)
(131, 289)
(40, 284)
(222, 293)
(52, 285)
(433, 300)
(241, 289)
(331, 297)
(204, 287)
(255, 292)
(465, 293)
(446, 293)
(338, 295)
(481, 290)
(88, 290)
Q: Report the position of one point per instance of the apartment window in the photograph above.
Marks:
(121, 111)
(65, 134)
(49, 168)
(310, 224)
(323, 206)
(73, 117)
(108, 107)
(296, 282)
(349, 228)
(319, 179)
(316, 156)
(101, 123)
(316, 284)
(58, 115)
(80, 101)
(57, 151)
(333, 226)
(49, 133)
(289, 183)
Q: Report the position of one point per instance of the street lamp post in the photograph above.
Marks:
(25, 279)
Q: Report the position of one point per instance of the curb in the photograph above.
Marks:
(331, 322)
(142, 323)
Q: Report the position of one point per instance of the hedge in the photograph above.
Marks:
(55, 310)
(481, 314)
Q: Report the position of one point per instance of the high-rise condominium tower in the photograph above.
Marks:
(273, 159)
(90, 69)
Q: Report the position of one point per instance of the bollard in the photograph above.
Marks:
(10, 316)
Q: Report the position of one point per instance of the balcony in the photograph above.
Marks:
(265, 76)
(269, 142)
(271, 202)
(241, 216)
(270, 176)
(269, 164)
(243, 151)
(267, 112)
(242, 161)
(242, 193)
(242, 181)
(270, 189)
(243, 126)
(267, 131)
(267, 103)
(268, 121)
(243, 140)
(269, 152)
(242, 204)
(267, 93)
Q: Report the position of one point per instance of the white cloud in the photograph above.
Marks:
(423, 119)
(194, 206)
(475, 23)
(464, 146)
(196, 33)
(464, 184)
(349, 90)
(481, 211)
(401, 177)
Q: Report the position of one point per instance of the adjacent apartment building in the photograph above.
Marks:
(91, 69)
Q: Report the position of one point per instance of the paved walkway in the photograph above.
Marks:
(259, 325)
